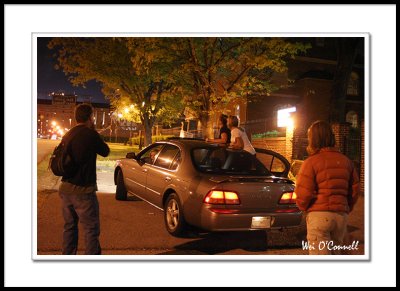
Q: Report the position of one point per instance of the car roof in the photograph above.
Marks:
(188, 142)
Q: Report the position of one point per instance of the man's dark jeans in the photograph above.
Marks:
(83, 208)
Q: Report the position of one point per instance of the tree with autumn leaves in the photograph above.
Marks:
(135, 73)
(219, 70)
(151, 79)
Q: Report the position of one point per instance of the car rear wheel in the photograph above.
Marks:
(173, 216)
(120, 193)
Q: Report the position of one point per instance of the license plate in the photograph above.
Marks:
(261, 222)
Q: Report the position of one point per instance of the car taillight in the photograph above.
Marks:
(288, 198)
(222, 197)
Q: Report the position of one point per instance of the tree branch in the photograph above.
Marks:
(238, 78)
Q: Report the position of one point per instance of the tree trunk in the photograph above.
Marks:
(148, 125)
(346, 53)
(206, 127)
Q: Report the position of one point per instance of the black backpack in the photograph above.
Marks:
(61, 161)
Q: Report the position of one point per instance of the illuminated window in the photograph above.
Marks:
(352, 86)
(352, 118)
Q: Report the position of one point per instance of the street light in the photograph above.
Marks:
(284, 117)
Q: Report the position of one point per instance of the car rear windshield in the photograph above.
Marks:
(219, 160)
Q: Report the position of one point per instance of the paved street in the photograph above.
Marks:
(135, 228)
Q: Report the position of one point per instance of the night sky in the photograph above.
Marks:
(52, 80)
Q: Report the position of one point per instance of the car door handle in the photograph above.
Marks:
(145, 170)
(168, 179)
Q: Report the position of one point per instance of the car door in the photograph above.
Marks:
(135, 177)
(162, 173)
(137, 170)
(277, 164)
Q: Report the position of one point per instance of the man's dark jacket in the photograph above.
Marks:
(84, 145)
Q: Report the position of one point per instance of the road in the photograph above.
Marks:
(134, 227)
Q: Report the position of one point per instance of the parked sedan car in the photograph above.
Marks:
(210, 187)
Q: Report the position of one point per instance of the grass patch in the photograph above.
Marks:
(46, 181)
(45, 177)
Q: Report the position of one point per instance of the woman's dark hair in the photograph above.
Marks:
(224, 119)
(233, 120)
(320, 135)
(83, 112)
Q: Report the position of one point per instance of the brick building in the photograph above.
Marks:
(60, 110)
(309, 92)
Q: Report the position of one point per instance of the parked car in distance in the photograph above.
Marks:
(210, 187)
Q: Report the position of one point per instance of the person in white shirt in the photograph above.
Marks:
(239, 139)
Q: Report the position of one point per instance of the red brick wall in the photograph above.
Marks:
(341, 131)
(276, 144)
(362, 162)
(300, 143)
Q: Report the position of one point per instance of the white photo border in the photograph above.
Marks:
(21, 21)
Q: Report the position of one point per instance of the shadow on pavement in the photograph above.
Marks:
(216, 243)
(222, 242)
(133, 198)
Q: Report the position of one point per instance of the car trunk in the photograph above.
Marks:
(257, 194)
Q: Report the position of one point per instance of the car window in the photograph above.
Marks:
(176, 162)
(269, 161)
(222, 161)
(166, 156)
(274, 162)
(150, 155)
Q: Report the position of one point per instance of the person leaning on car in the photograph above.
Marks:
(78, 193)
(224, 132)
(327, 187)
(239, 139)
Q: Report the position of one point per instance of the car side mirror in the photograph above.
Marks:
(131, 155)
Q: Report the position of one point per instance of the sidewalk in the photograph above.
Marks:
(105, 182)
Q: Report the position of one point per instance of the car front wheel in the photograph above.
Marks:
(173, 216)
(120, 193)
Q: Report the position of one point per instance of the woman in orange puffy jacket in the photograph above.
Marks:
(327, 187)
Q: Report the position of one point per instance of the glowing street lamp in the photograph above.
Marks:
(284, 117)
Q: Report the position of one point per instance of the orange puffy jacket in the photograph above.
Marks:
(327, 181)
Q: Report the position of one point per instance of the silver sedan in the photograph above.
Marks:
(210, 187)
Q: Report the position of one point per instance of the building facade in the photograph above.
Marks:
(58, 114)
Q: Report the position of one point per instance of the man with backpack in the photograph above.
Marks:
(78, 190)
